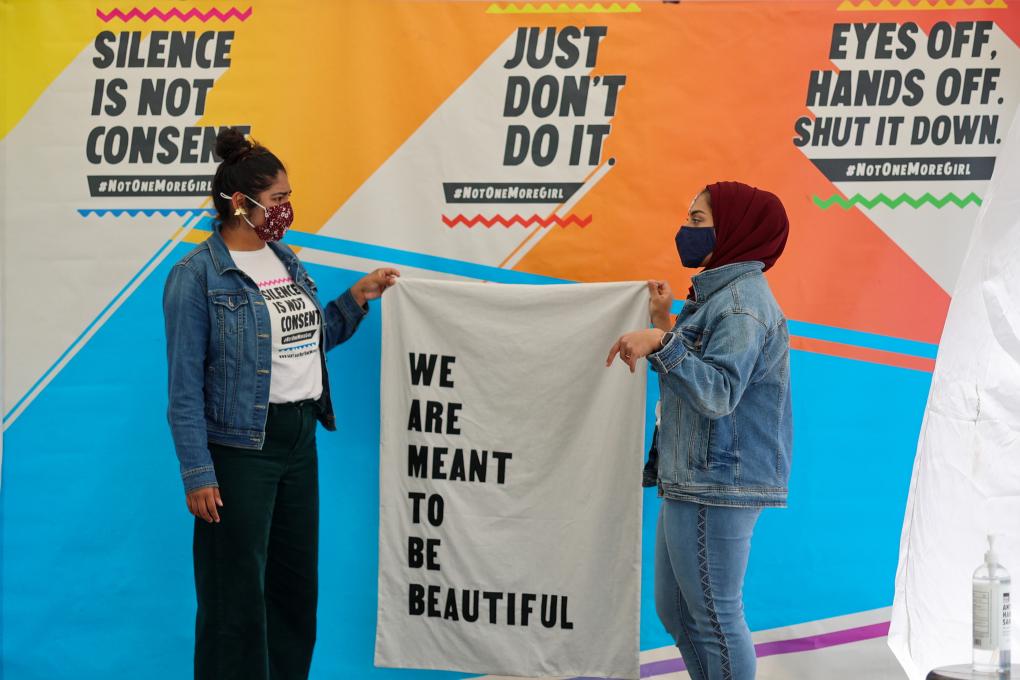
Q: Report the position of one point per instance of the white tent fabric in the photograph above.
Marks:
(966, 478)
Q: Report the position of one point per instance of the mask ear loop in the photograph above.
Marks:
(242, 212)
(264, 211)
(237, 211)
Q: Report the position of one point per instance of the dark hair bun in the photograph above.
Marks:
(231, 144)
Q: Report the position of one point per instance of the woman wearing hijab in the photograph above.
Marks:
(726, 430)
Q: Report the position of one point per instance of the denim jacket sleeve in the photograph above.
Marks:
(186, 314)
(714, 382)
(342, 317)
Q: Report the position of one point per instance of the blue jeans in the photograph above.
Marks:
(701, 555)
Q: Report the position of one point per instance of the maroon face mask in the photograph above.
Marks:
(278, 219)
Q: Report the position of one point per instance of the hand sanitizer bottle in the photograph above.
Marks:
(991, 615)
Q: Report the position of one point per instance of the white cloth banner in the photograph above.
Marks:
(510, 479)
(966, 479)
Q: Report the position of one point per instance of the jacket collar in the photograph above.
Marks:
(221, 259)
(710, 281)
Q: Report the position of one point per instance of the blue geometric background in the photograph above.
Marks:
(96, 540)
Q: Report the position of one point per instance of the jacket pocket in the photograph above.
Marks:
(723, 450)
(694, 436)
(231, 311)
(693, 337)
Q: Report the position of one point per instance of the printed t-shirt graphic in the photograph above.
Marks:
(296, 327)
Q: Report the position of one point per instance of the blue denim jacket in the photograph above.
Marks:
(219, 353)
(726, 432)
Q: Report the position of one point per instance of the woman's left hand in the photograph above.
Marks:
(373, 285)
(636, 345)
(660, 301)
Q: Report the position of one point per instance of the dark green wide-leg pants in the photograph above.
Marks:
(256, 571)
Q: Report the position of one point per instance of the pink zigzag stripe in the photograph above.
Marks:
(516, 219)
(193, 13)
(274, 282)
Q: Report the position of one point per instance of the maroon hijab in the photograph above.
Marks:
(750, 224)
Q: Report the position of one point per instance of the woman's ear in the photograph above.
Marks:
(237, 201)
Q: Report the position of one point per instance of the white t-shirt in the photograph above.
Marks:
(296, 327)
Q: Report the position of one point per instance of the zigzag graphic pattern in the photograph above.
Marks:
(274, 282)
(147, 212)
(903, 5)
(292, 349)
(490, 222)
(563, 8)
(174, 13)
(913, 202)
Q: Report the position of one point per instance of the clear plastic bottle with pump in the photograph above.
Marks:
(991, 615)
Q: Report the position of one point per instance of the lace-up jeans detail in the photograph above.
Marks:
(701, 555)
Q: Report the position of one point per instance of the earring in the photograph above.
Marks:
(239, 212)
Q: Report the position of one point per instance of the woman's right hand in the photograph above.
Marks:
(373, 285)
(659, 304)
(202, 503)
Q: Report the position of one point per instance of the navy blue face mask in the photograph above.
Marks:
(694, 244)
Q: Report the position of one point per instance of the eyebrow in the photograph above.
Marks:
(694, 212)
(282, 193)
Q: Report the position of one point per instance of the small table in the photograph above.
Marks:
(965, 672)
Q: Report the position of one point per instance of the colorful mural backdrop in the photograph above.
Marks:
(507, 142)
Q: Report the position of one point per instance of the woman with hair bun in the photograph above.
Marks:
(246, 343)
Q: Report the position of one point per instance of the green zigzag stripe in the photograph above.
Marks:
(915, 203)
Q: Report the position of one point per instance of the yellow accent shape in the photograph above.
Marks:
(904, 5)
(563, 8)
(196, 236)
(40, 38)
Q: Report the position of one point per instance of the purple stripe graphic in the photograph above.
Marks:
(804, 644)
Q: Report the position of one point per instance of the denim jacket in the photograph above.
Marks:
(219, 353)
(726, 432)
